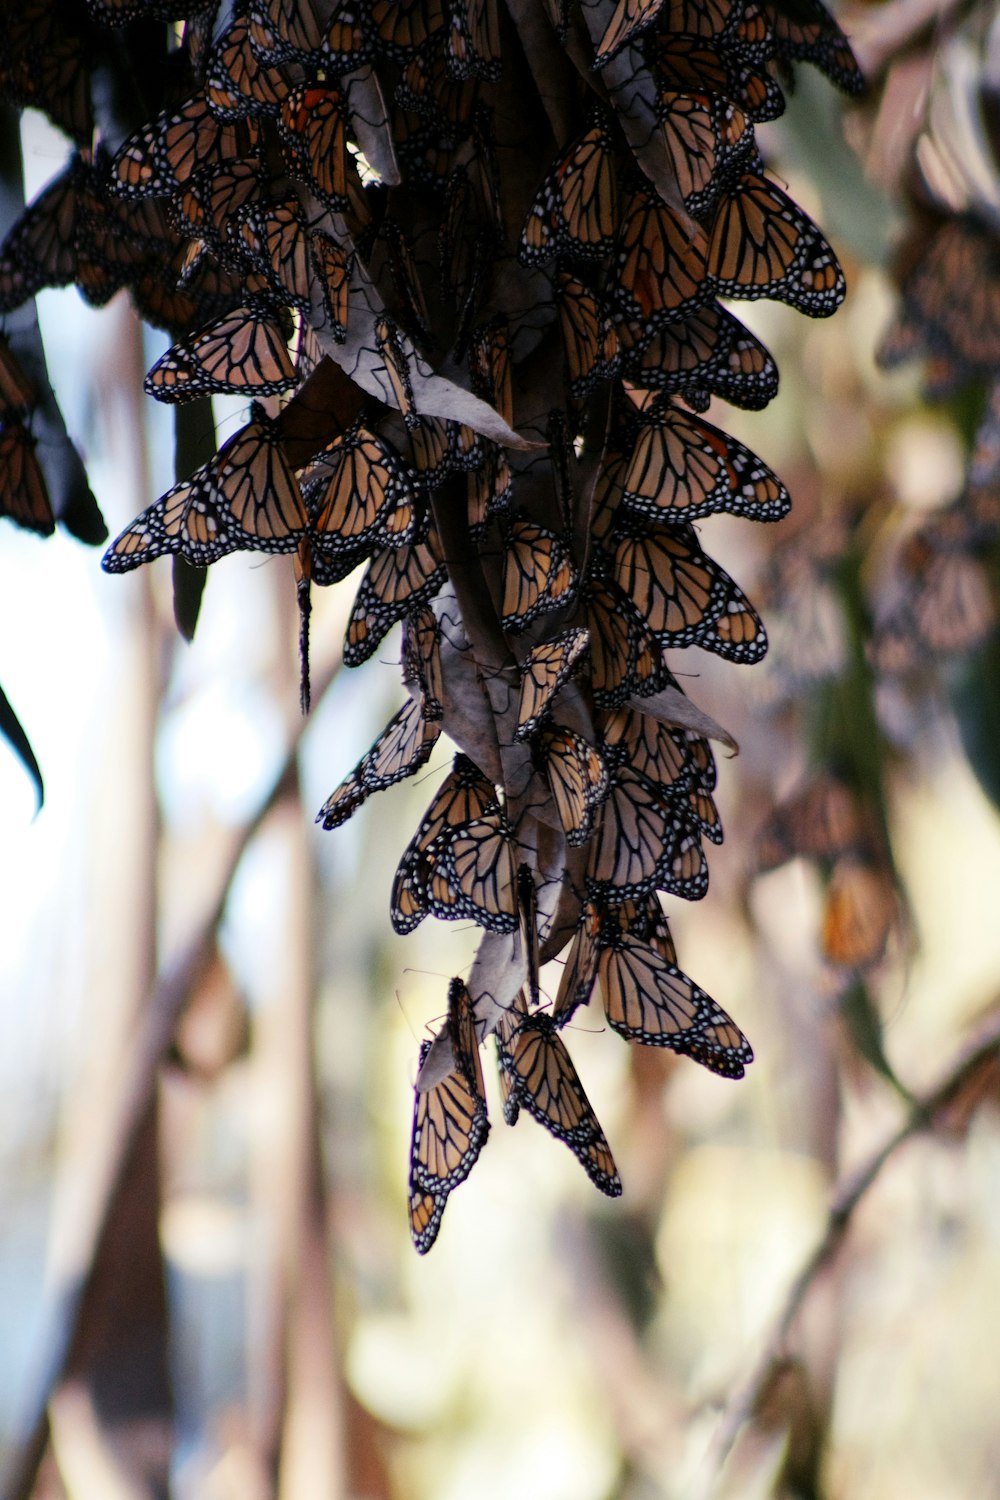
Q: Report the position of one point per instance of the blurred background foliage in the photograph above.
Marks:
(720, 1330)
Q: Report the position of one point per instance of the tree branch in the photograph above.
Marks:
(922, 1115)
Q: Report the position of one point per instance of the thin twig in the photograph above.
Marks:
(159, 1018)
(922, 1115)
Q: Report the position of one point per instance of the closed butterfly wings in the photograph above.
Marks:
(450, 1124)
(537, 1073)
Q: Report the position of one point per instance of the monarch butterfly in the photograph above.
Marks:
(243, 351)
(737, 633)
(288, 32)
(262, 495)
(362, 494)
(483, 168)
(450, 1124)
(400, 750)
(703, 815)
(489, 361)
(630, 19)
(589, 336)
(537, 1071)
(805, 29)
(426, 1210)
(421, 660)
(44, 67)
(546, 668)
(947, 607)
(951, 300)
(474, 40)
(681, 466)
(188, 520)
(691, 63)
(650, 1001)
(578, 777)
(406, 279)
(333, 265)
(275, 239)
(707, 353)
(238, 83)
(211, 203)
(626, 658)
(574, 210)
(643, 843)
(859, 913)
(464, 795)
(580, 970)
(42, 247)
(490, 489)
(398, 580)
(646, 921)
(393, 353)
(676, 588)
(17, 393)
(709, 141)
(404, 26)
(819, 821)
(657, 751)
(538, 573)
(763, 245)
(24, 497)
(312, 128)
(473, 876)
(165, 154)
(660, 267)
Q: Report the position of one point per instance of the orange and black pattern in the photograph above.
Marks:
(517, 268)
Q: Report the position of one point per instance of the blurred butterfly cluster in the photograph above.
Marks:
(467, 261)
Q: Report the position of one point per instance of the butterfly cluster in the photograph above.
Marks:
(468, 263)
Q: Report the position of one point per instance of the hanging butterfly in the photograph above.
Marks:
(42, 248)
(574, 210)
(312, 129)
(361, 495)
(682, 467)
(630, 20)
(589, 336)
(643, 843)
(580, 970)
(675, 586)
(490, 489)
(421, 661)
(473, 49)
(538, 573)
(709, 141)
(626, 658)
(24, 497)
(819, 821)
(244, 351)
(691, 64)
(546, 668)
(333, 265)
(187, 521)
(163, 155)
(490, 367)
(650, 1001)
(805, 29)
(406, 280)
(398, 580)
(473, 875)
(658, 751)
(400, 750)
(951, 303)
(277, 244)
(450, 1123)
(859, 913)
(238, 83)
(18, 394)
(763, 245)
(393, 353)
(464, 795)
(578, 778)
(706, 353)
(536, 1071)
(660, 265)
